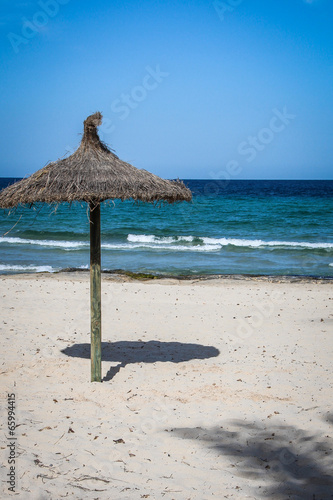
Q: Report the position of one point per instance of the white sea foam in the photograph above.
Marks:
(160, 240)
(172, 243)
(45, 243)
(214, 243)
(162, 246)
(148, 238)
(29, 268)
(261, 243)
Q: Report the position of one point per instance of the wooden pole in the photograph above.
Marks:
(95, 291)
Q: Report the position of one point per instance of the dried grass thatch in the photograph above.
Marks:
(92, 174)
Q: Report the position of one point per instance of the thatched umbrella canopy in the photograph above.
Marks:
(92, 174)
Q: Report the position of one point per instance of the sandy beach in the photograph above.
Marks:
(216, 388)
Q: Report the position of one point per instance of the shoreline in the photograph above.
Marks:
(126, 276)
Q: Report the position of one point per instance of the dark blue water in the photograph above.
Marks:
(231, 227)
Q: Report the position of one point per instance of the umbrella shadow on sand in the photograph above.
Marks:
(127, 352)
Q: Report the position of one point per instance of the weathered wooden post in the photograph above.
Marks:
(95, 291)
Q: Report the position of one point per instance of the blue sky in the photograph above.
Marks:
(238, 89)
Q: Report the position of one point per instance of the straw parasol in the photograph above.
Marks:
(92, 174)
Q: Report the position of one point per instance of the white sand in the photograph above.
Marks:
(246, 413)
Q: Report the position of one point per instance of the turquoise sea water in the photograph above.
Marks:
(231, 227)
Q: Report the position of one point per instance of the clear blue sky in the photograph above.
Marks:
(237, 89)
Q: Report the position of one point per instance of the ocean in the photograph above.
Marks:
(243, 227)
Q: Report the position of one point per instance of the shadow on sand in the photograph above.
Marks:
(284, 461)
(126, 352)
